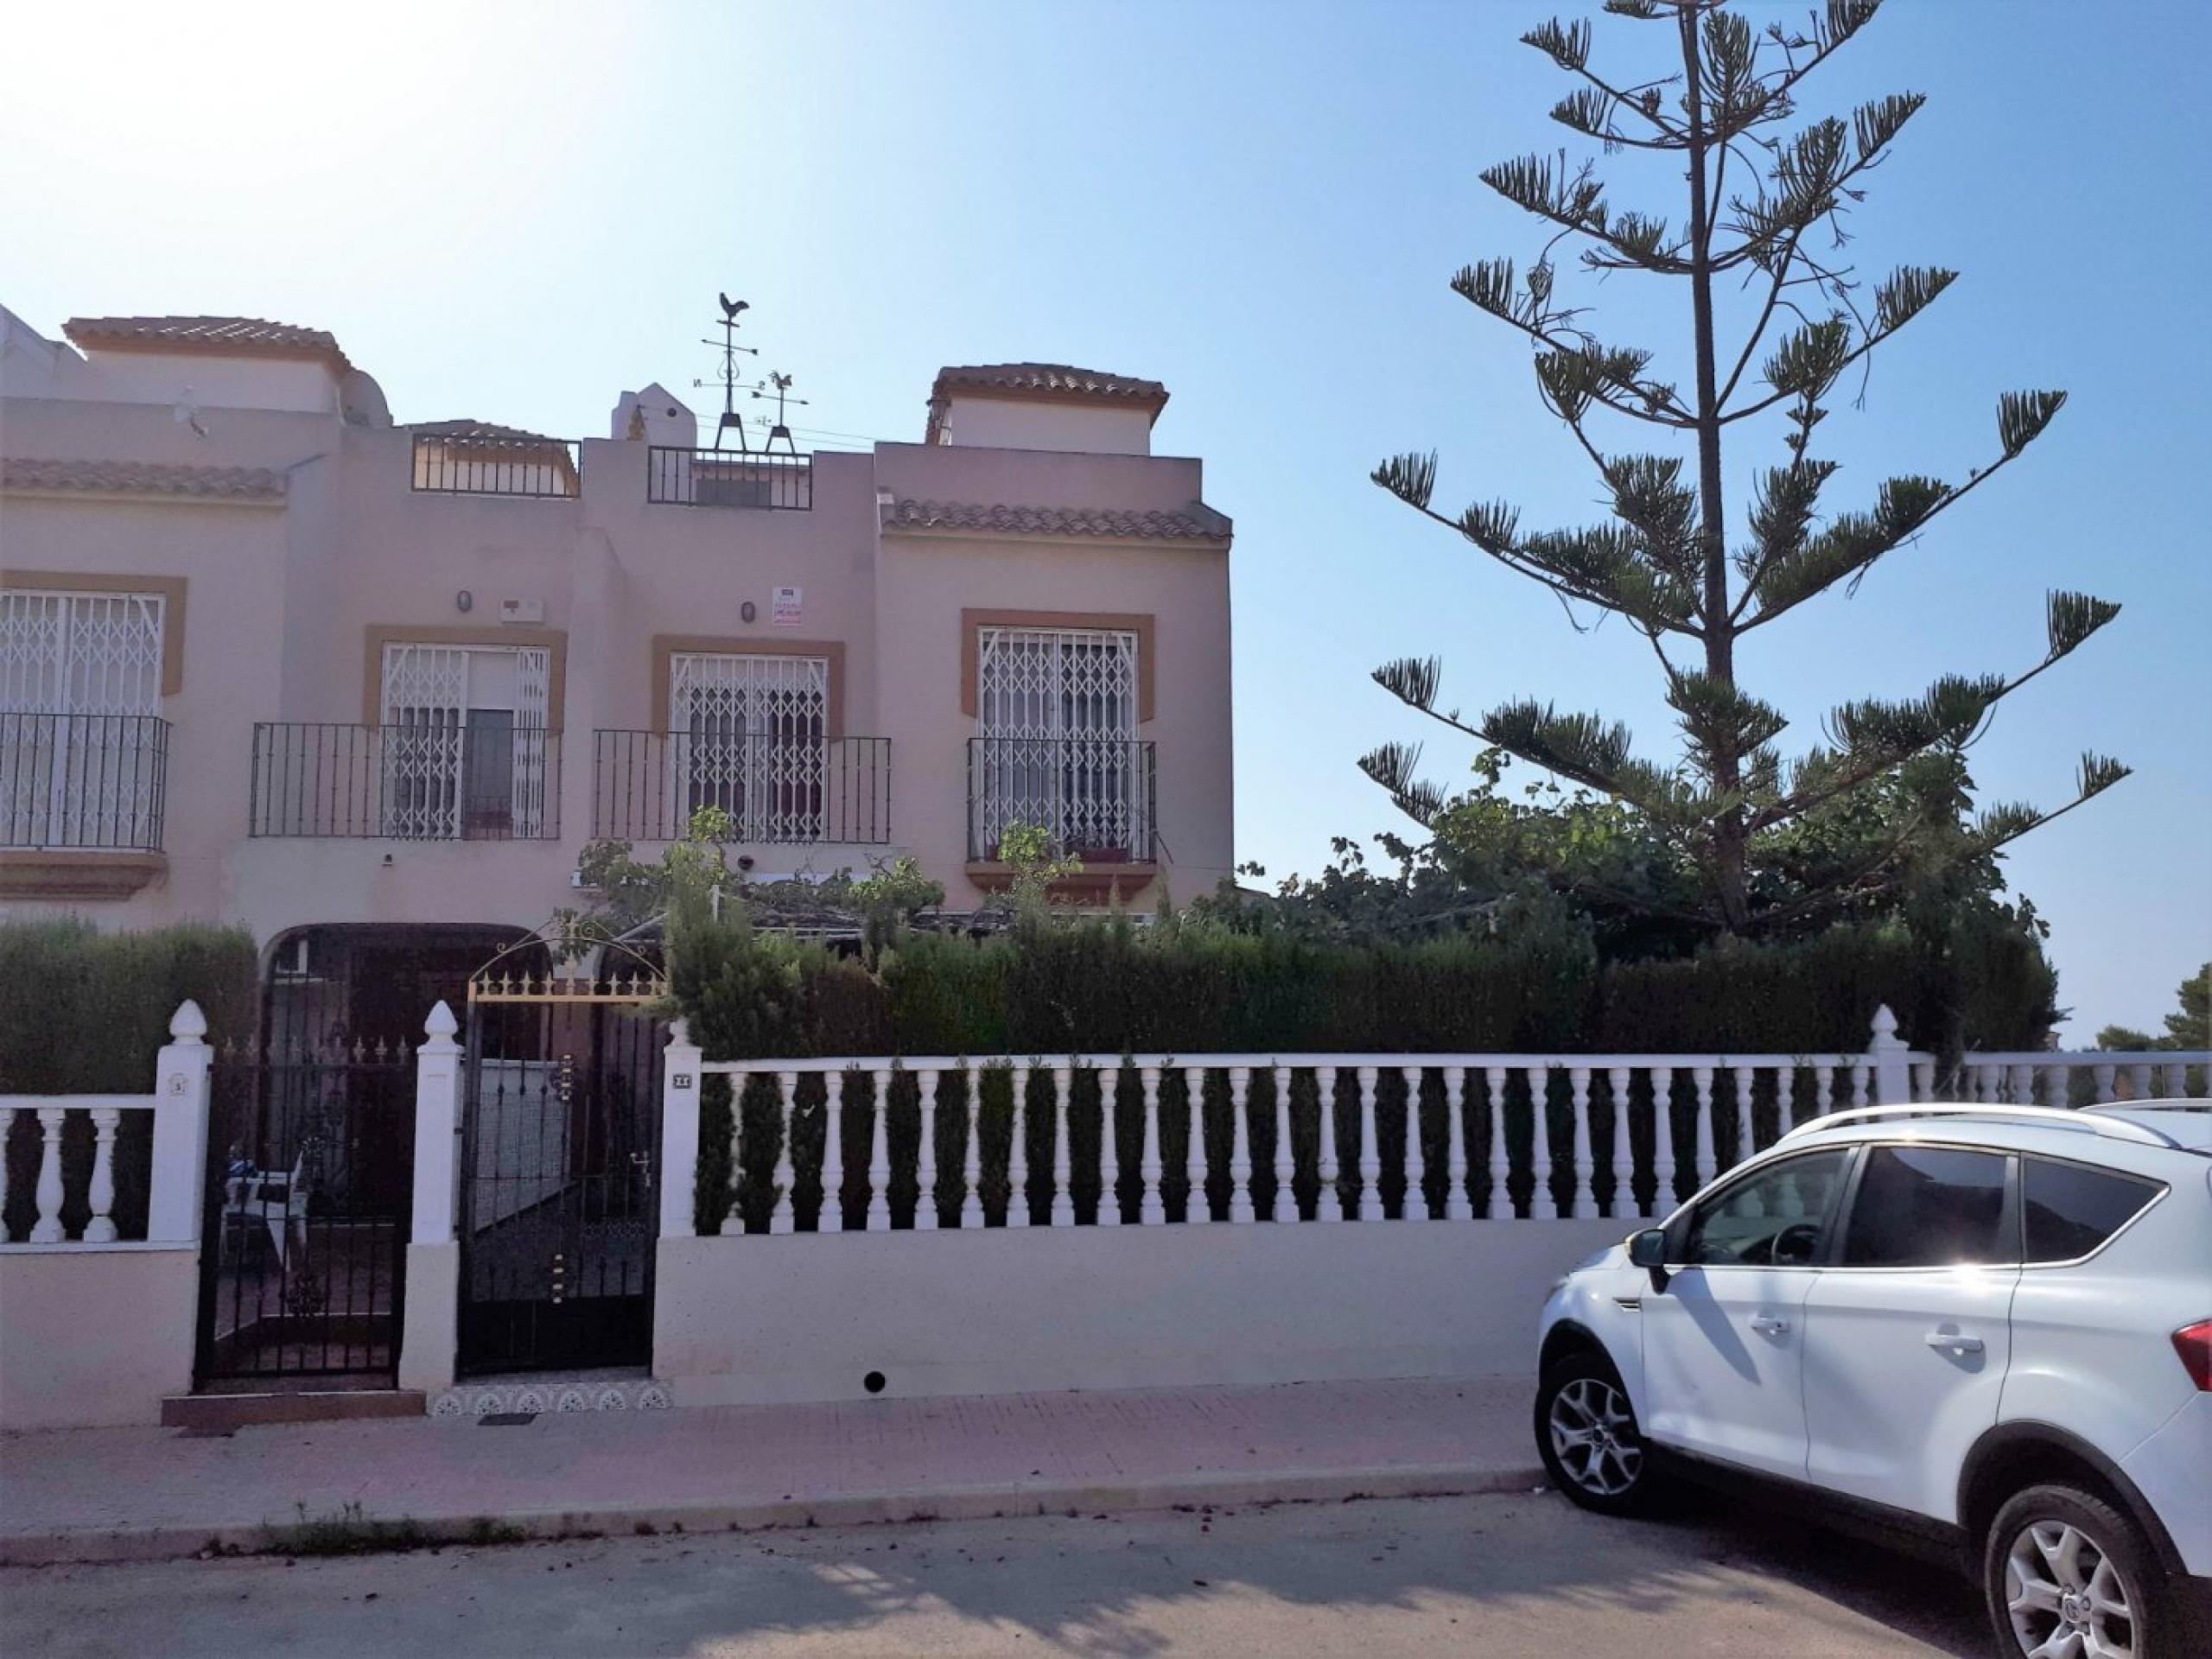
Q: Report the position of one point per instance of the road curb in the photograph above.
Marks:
(1200, 1488)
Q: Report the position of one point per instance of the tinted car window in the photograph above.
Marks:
(1770, 1219)
(2071, 1210)
(1927, 1207)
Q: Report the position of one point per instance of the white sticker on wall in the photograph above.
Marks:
(785, 611)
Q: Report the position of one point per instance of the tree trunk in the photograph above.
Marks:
(1728, 835)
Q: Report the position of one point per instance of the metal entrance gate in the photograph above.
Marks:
(560, 1153)
(309, 1197)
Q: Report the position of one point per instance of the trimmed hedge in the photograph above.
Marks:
(82, 1013)
(1185, 988)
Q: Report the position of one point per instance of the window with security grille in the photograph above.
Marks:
(1056, 741)
(81, 740)
(749, 736)
(464, 740)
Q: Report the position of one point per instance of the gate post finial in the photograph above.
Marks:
(188, 1025)
(440, 1027)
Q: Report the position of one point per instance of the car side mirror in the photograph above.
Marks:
(1647, 1249)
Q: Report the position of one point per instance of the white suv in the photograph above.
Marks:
(1985, 1326)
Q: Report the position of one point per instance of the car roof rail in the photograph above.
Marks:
(2051, 1117)
(2197, 1104)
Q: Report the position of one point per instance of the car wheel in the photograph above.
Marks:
(1586, 1434)
(2067, 1574)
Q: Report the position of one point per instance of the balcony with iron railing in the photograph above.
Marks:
(494, 461)
(1092, 796)
(83, 783)
(776, 788)
(720, 478)
(435, 780)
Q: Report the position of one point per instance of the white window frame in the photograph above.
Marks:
(1057, 712)
(80, 685)
(427, 692)
(749, 733)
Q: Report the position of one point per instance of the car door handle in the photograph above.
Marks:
(1767, 1326)
(1954, 1342)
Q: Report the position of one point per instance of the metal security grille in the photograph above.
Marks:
(1057, 717)
(749, 738)
(464, 754)
(80, 680)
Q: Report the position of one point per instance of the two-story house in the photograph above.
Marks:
(268, 656)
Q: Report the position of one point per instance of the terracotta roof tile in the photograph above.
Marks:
(1055, 378)
(1199, 523)
(215, 336)
(466, 427)
(143, 478)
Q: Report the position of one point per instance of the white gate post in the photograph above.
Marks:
(180, 1171)
(431, 1328)
(1892, 1071)
(679, 1128)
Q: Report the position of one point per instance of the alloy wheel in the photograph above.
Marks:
(1593, 1435)
(2065, 1596)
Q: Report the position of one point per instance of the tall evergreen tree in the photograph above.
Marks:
(1765, 202)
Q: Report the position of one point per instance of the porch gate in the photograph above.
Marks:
(560, 1149)
(309, 1206)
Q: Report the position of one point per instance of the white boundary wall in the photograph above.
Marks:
(807, 1317)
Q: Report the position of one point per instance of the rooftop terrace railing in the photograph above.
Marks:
(719, 477)
(457, 463)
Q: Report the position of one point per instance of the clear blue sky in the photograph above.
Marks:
(515, 211)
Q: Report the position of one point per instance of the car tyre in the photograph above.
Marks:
(1586, 1434)
(2057, 1556)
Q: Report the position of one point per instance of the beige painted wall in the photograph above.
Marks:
(94, 1338)
(806, 1316)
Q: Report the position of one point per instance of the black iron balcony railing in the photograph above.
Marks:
(435, 780)
(83, 781)
(720, 478)
(791, 788)
(489, 463)
(1092, 796)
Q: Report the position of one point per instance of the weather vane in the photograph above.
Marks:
(732, 420)
(782, 383)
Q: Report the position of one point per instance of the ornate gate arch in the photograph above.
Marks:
(559, 1155)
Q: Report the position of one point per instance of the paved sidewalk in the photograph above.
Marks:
(141, 1494)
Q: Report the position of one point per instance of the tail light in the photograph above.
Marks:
(2194, 1344)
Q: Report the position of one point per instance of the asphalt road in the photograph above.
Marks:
(1518, 1575)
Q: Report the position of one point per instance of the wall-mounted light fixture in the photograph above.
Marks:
(747, 610)
(464, 601)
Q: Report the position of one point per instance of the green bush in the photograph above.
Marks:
(82, 1013)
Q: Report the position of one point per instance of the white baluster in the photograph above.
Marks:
(780, 1220)
(1286, 1160)
(1017, 1157)
(1861, 1073)
(1456, 1206)
(1370, 1155)
(2139, 1081)
(1823, 1090)
(1110, 1151)
(1240, 1147)
(99, 1228)
(1415, 1206)
(1584, 1202)
(1198, 1208)
(1152, 1212)
(2024, 1085)
(1702, 1076)
(1924, 1079)
(971, 1201)
(1328, 1203)
(1785, 1099)
(925, 1159)
(1500, 1207)
(1663, 1141)
(833, 1153)
(47, 1228)
(2174, 1078)
(879, 1154)
(1543, 1204)
(1062, 1208)
(1742, 1079)
(2102, 1075)
(1624, 1198)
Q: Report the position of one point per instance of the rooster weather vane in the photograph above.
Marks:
(778, 384)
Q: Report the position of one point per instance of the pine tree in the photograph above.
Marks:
(1767, 199)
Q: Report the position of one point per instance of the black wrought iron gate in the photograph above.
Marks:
(309, 1194)
(559, 1155)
